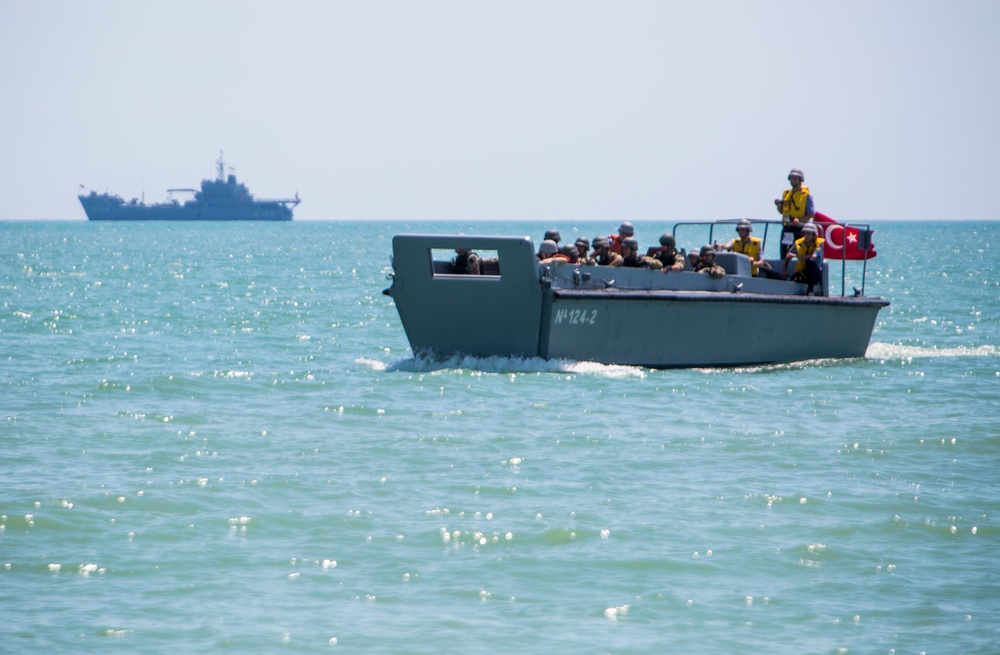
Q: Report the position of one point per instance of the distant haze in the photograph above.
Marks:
(561, 110)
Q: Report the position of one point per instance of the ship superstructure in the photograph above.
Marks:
(220, 199)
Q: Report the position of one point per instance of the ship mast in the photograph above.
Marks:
(220, 169)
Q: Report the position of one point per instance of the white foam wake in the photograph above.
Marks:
(880, 350)
(373, 364)
(505, 365)
(876, 350)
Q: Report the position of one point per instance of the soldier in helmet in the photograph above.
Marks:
(466, 262)
(583, 252)
(547, 249)
(809, 251)
(752, 247)
(630, 253)
(796, 207)
(706, 263)
(667, 255)
(552, 255)
(625, 230)
(602, 253)
(570, 253)
(631, 257)
(553, 235)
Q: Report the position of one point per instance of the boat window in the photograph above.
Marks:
(444, 262)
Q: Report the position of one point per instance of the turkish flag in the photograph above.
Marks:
(844, 243)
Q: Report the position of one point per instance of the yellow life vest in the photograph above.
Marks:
(751, 250)
(804, 251)
(793, 203)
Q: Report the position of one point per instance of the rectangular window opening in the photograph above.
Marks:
(450, 262)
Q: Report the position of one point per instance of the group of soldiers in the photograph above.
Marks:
(622, 249)
(800, 241)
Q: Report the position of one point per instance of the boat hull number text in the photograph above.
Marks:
(576, 316)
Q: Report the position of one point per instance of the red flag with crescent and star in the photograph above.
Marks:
(844, 242)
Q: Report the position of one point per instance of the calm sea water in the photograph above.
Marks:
(215, 438)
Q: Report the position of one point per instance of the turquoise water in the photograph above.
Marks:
(216, 439)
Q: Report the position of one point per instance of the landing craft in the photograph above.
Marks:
(518, 306)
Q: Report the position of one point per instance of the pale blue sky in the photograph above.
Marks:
(558, 111)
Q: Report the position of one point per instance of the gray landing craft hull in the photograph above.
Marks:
(613, 316)
(668, 329)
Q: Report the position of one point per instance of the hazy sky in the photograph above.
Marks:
(561, 110)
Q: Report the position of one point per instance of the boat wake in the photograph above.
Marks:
(782, 367)
(876, 351)
(879, 350)
(505, 365)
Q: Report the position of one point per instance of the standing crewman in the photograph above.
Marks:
(796, 207)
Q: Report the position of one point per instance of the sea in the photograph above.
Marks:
(215, 438)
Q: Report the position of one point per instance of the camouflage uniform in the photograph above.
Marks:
(709, 267)
(609, 259)
(633, 260)
(583, 253)
(668, 259)
(641, 262)
(713, 269)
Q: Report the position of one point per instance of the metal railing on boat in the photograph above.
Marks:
(863, 244)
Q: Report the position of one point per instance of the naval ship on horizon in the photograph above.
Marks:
(221, 199)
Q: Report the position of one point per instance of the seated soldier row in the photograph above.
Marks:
(623, 250)
(600, 252)
(807, 249)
